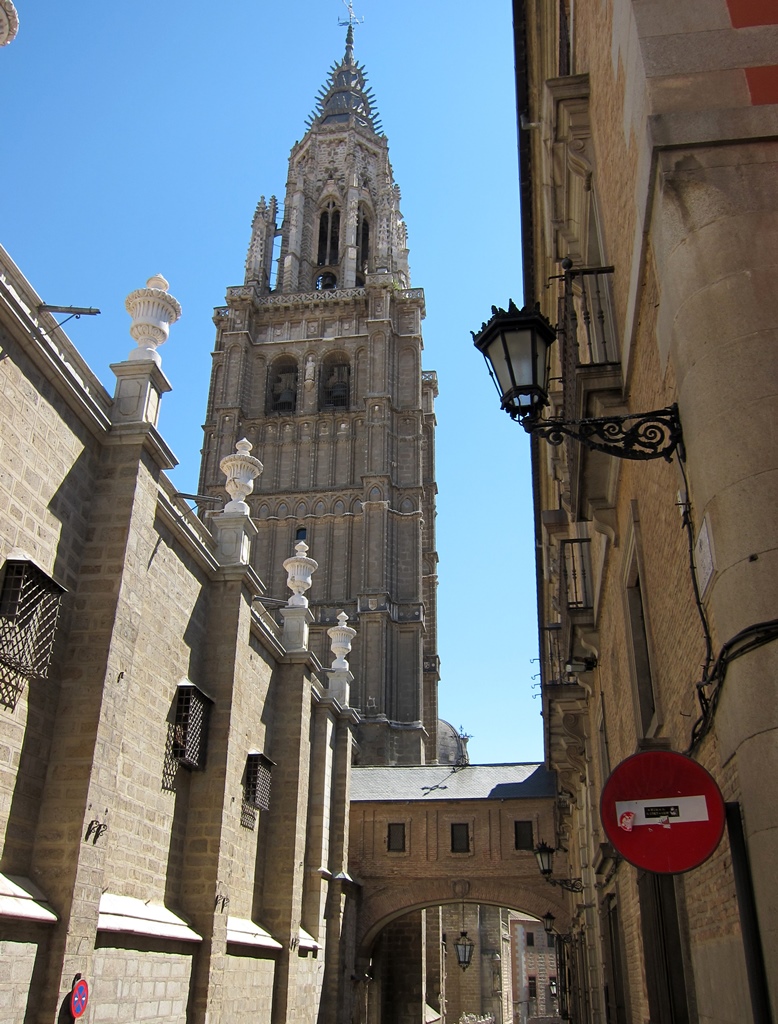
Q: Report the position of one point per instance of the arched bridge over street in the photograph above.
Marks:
(425, 835)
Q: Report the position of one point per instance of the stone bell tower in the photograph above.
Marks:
(320, 368)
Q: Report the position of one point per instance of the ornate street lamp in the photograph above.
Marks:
(464, 950)
(548, 922)
(515, 344)
(464, 947)
(544, 854)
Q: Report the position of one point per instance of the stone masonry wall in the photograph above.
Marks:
(140, 984)
(679, 167)
(48, 461)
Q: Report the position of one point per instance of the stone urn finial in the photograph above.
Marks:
(341, 636)
(299, 570)
(152, 310)
(9, 22)
(241, 470)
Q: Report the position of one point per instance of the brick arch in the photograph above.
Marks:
(384, 900)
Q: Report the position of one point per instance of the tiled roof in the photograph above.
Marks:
(446, 782)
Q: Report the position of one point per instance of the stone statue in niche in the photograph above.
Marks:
(309, 379)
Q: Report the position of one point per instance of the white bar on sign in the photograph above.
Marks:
(663, 810)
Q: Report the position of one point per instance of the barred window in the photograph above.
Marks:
(191, 726)
(256, 785)
(460, 838)
(29, 608)
(395, 837)
(523, 835)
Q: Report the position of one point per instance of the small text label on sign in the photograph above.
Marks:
(678, 809)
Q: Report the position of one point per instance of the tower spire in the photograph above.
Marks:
(346, 95)
(349, 56)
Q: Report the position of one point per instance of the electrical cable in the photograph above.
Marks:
(747, 640)
(687, 524)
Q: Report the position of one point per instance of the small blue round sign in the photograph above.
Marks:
(79, 997)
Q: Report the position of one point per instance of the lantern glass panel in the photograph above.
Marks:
(510, 354)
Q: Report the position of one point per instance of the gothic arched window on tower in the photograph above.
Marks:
(282, 391)
(329, 236)
(335, 382)
(363, 246)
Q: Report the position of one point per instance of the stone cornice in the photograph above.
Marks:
(52, 351)
(146, 435)
(186, 528)
(330, 296)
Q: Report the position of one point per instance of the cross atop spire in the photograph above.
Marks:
(352, 18)
(352, 21)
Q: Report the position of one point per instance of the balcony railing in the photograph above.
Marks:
(588, 315)
(554, 657)
(576, 582)
(586, 328)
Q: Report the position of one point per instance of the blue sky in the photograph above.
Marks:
(137, 139)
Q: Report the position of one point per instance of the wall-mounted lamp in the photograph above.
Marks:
(515, 344)
(548, 925)
(544, 854)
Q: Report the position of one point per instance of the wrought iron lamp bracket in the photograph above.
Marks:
(568, 884)
(637, 436)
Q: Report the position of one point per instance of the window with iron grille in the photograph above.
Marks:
(395, 837)
(256, 787)
(29, 608)
(190, 728)
(460, 838)
(532, 987)
(522, 833)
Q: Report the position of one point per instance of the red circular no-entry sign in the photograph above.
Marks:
(662, 811)
(79, 997)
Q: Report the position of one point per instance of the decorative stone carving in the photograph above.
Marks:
(241, 470)
(299, 570)
(9, 22)
(152, 310)
(340, 678)
(341, 636)
(263, 230)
